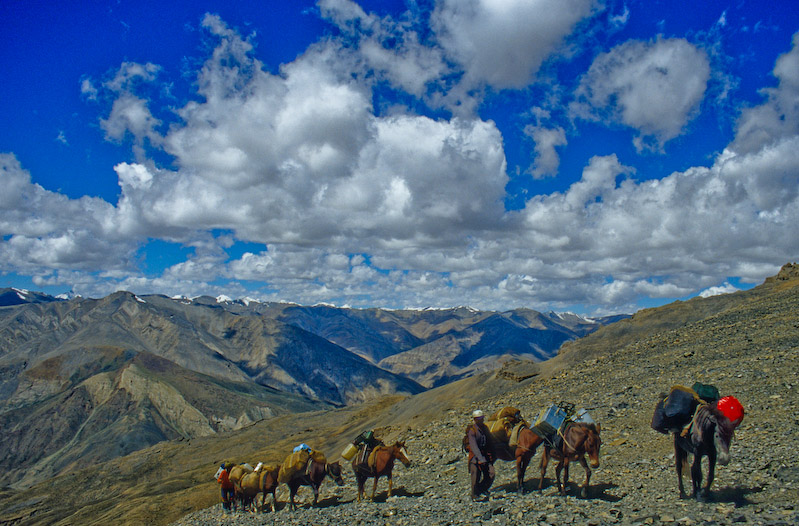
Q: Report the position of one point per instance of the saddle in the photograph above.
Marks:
(513, 439)
(372, 460)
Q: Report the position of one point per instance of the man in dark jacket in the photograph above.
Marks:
(481, 458)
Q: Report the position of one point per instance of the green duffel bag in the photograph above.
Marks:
(708, 393)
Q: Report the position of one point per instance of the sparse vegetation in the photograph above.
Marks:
(745, 343)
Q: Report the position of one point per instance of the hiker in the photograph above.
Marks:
(228, 489)
(481, 458)
(366, 442)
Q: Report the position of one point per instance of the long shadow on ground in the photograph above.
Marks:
(595, 491)
(401, 491)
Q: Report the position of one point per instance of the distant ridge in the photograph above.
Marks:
(101, 378)
(13, 296)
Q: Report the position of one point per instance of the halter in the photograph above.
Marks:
(329, 473)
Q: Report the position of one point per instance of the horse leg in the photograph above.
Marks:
(521, 467)
(390, 485)
(361, 482)
(680, 457)
(711, 474)
(565, 475)
(315, 494)
(696, 477)
(374, 488)
(293, 492)
(558, 470)
(584, 490)
(544, 464)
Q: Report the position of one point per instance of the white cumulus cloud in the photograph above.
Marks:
(653, 87)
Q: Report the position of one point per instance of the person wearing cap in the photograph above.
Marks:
(228, 490)
(481, 458)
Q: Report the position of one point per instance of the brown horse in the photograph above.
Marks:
(579, 439)
(525, 448)
(247, 488)
(313, 477)
(235, 475)
(710, 436)
(382, 465)
(263, 481)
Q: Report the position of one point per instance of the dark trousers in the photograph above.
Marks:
(227, 497)
(482, 476)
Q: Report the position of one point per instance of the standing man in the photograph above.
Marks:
(481, 458)
(228, 490)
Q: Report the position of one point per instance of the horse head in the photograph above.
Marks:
(710, 424)
(402, 454)
(722, 437)
(334, 472)
(592, 444)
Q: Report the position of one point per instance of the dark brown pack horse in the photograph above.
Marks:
(522, 453)
(579, 439)
(710, 436)
(269, 483)
(384, 457)
(313, 477)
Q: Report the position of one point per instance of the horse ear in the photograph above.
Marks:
(598, 428)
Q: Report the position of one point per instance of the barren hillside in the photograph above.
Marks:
(745, 343)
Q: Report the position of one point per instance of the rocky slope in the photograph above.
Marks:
(745, 343)
(747, 348)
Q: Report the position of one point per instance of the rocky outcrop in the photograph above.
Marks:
(789, 271)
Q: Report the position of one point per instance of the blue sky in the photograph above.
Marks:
(583, 155)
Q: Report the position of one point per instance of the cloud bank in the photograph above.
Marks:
(341, 201)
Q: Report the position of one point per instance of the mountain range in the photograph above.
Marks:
(744, 342)
(89, 380)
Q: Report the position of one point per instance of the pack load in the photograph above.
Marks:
(504, 423)
(508, 413)
(732, 409)
(298, 462)
(362, 445)
(675, 410)
(237, 472)
(551, 420)
(708, 393)
(581, 416)
(349, 452)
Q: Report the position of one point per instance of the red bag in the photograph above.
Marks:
(732, 409)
